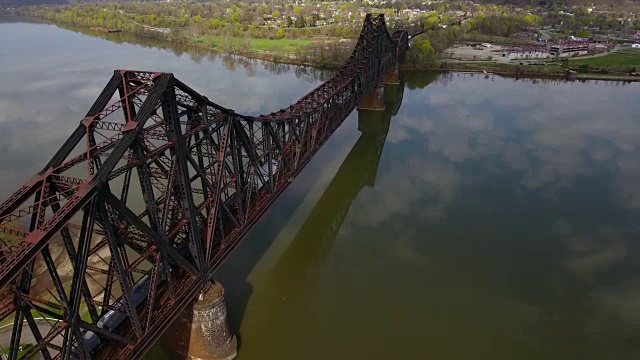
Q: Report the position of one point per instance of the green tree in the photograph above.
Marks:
(431, 21)
(275, 15)
(280, 34)
(421, 55)
(583, 34)
(532, 20)
(215, 24)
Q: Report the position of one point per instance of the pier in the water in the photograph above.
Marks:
(373, 100)
(202, 331)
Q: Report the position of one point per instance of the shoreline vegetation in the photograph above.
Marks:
(551, 70)
(327, 46)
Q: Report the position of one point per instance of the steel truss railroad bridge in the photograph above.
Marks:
(149, 195)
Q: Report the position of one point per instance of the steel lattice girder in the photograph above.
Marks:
(157, 184)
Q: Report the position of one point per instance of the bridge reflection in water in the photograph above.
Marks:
(315, 237)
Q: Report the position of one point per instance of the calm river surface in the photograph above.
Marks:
(489, 218)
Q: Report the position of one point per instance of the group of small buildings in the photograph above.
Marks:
(542, 46)
(562, 48)
(538, 51)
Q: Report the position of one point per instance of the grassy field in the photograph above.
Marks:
(284, 45)
(83, 310)
(622, 60)
(24, 349)
(84, 315)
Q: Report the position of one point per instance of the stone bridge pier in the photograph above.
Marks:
(210, 327)
(202, 331)
(391, 76)
(374, 99)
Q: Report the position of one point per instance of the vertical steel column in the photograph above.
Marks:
(170, 112)
(84, 242)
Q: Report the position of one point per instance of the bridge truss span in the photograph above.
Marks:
(132, 215)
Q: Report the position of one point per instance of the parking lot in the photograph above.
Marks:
(467, 52)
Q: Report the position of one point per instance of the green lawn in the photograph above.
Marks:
(633, 52)
(286, 45)
(24, 350)
(9, 320)
(622, 60)
(83, 310)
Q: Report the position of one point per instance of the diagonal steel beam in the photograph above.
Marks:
(34, 243)
(133, 219)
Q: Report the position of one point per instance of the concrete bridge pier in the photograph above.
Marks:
(211, 338)
(391, 76)
(201, 332)
(373, 100)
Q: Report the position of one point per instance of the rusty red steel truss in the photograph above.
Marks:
(104, 247)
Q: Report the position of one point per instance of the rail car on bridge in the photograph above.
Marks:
(115, 318)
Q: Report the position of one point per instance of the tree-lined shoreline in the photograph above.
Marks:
(317, 35)
(235, 29)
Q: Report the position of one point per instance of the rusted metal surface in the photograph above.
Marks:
(147, 197)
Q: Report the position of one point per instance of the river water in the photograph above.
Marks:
(479, 217)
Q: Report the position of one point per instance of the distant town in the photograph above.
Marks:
(600, 37)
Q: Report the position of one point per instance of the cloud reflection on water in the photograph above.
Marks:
(571, 148)
(553, 133)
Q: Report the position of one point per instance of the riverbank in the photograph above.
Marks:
(289, 59)
(546, 70)
(197, 45)
(291, 54)
(318, 51)
(551, 70)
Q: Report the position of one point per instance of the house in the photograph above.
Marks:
(544, 39)
(578, 39)
(522, 35)
(569, 49)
